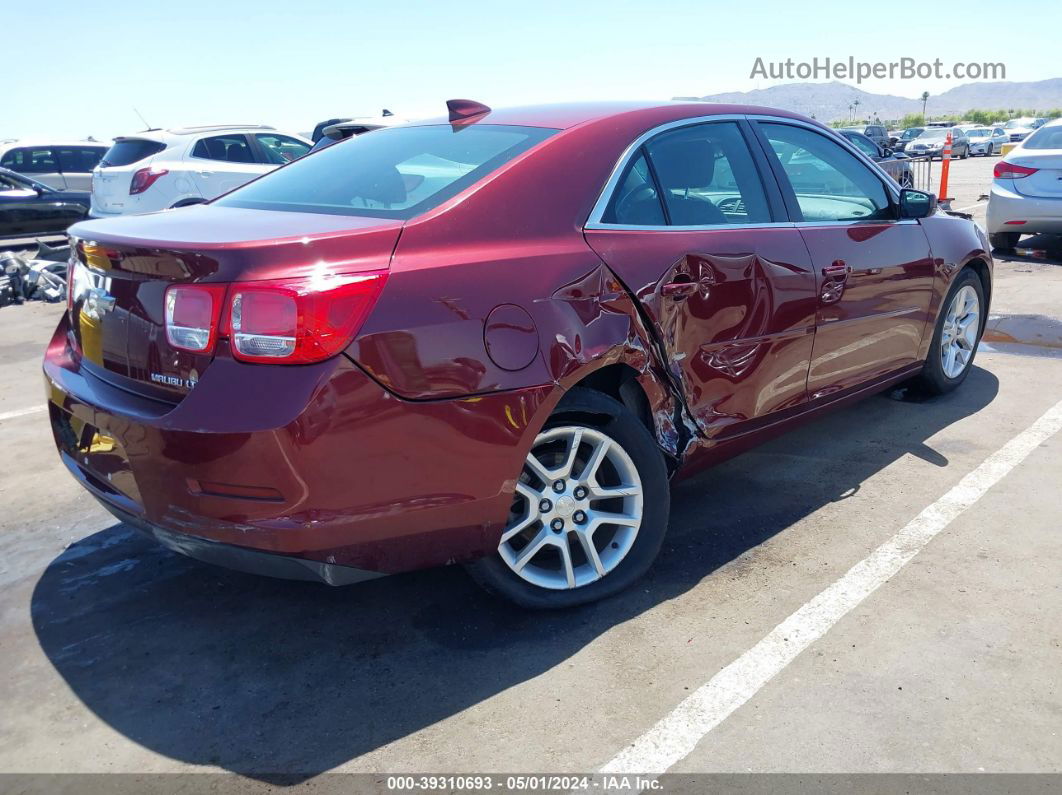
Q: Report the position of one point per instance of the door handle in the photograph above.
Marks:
(678, 289)
(838, 269)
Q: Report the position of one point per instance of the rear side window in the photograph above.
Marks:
(392, 173)
(78, 159)
(708, 177)
(229, 148)
(635, 201)
(125, 153)
(30, 160)
(280, 149)
(830, 183)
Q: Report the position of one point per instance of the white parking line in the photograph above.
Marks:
(971, 207)
(678, 733)
(10, 415)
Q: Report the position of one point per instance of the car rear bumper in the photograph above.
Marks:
(1041, 215)
(316, 463)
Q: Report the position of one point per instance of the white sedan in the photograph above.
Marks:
(1026, 195)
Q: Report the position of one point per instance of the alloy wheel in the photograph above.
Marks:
(958, 338)
(576, 510)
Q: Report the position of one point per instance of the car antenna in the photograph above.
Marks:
(463, 110)
(146, 125)
(386, 112)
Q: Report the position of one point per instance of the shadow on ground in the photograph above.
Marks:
(255, 675)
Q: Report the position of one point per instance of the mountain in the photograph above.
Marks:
(829, 101)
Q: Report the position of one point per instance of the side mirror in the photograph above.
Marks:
(886, 152)
(916, 203)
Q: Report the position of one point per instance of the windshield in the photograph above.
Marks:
(390, 173)
(935, 132)
(911, 132)
(1010, 125)
(1045, 138)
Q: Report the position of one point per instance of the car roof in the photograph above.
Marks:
(565, 115)
(159, 134)
(18, 143)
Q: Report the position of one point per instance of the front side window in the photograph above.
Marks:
(708, 177)
(280, 149)
(830, 183)
(397, 172)
(30, 161)
(228, 148)
(864, 145)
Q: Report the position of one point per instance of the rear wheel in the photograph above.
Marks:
(1004, 240)
(589, 511)
(957, 333)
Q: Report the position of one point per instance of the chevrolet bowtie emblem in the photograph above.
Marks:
(97, 303)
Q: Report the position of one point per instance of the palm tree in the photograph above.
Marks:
(855, 102)
(925, 99)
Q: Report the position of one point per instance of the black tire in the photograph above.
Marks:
(1004, 240)
(591, 409)
(932, 378)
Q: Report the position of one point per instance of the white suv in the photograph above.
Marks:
(162, 169)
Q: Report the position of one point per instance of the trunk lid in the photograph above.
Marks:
(125, 264)
(1047, 181)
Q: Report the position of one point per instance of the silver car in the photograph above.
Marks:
(1026, 194)
(986, 140)
(1020, 129)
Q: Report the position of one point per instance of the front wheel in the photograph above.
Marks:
(589, 510)
(957, 333)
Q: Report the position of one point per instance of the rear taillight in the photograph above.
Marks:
(1005, 170)
(193, 315)
(145, 178)
(299, 321)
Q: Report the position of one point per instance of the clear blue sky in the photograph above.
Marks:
(78, 67)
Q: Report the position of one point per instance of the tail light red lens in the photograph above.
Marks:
(1005, 170)
(192, 316)
(145, 178)
(300, 321)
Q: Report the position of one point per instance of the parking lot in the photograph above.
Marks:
(124, 657)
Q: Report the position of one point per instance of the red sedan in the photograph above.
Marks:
(494, 337)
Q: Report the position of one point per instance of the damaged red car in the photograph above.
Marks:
(493, 338)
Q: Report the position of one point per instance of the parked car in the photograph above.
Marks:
(1026, 193)
(341, 130)
(875, 132)
(164, 169)
(899, 143)
(930, 143)
(1019, 129)
(493, 338)
(897, 166)
(986, 140)
(59, 165)
(385, 119)
(29, 208)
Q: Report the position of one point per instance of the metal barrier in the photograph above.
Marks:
(921, 171)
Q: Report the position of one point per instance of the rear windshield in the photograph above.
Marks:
(1045, 138)
(390, 173)
(124, 153)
